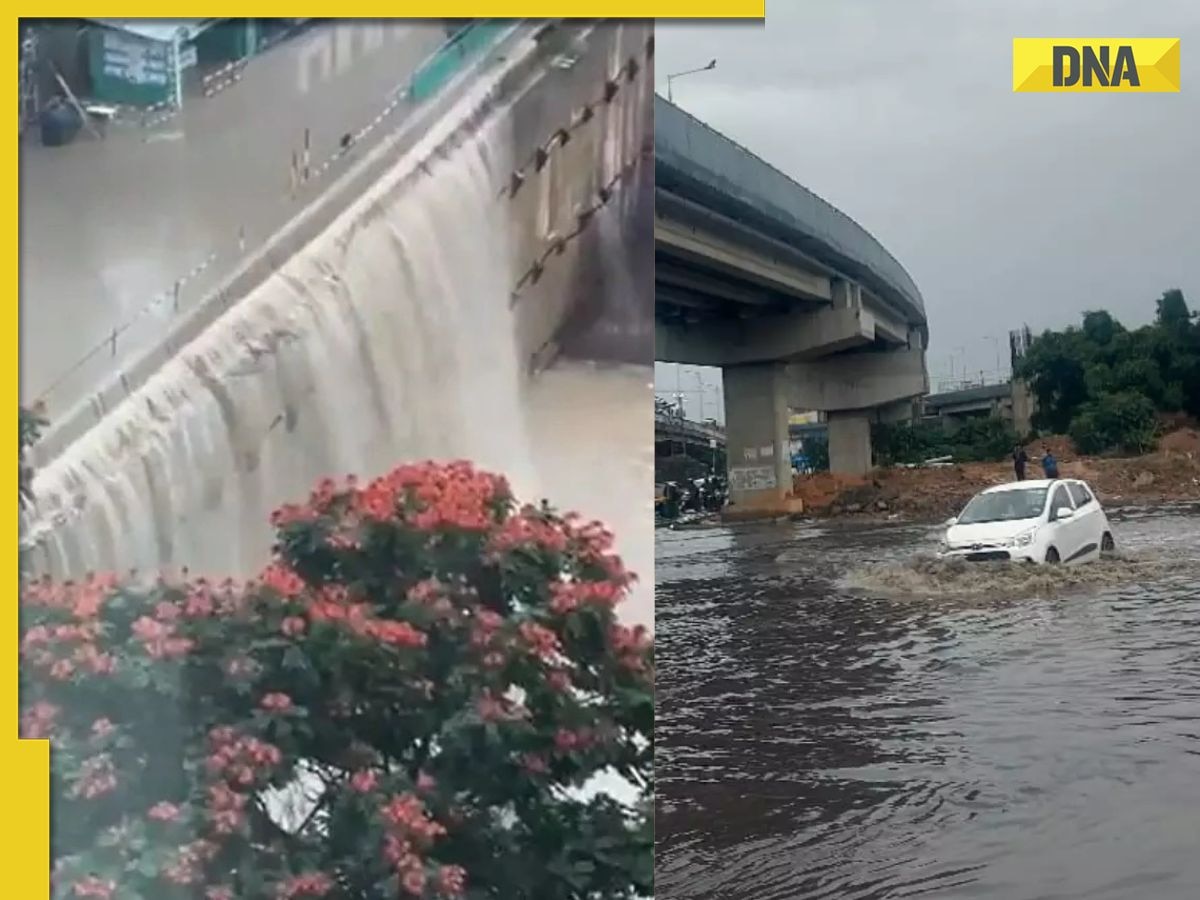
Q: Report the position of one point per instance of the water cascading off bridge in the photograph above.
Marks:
(406, 329)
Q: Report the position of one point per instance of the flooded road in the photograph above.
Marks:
(108, 227)
(911, 731)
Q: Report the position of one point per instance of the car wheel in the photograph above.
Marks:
(1052, 556)
(1107, 545)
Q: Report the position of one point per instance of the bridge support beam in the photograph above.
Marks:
(849, 442)
(756, 436)
(858, 380)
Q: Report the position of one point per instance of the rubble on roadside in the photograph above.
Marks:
(940, 488)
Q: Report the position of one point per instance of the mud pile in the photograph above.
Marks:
(1058, 444)
(1170, 474)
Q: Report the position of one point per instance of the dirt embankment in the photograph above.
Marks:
(1171, 473)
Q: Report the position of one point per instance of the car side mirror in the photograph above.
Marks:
(1063, 512)
(952, 521)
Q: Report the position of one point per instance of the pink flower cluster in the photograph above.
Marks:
(307, 884)
(92, 886)
(364, 781)
(567, 596)
(397, 634)
(433, 595)
(277, 701)
(84, 599)
(158, 638)
(38, 720)
(279, 578)
(226, 809)
(410, 829)
(63, 650)
(97, 777)
(242, 761)
(332, 604)
(540, 640)
(568, 740)
(487, 623)
(433, 496)
(629, 645)
(187, 866)
(529, 528)
(164, 812)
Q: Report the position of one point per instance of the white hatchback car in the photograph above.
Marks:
(1032, 521)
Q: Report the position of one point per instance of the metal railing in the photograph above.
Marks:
(449, 59)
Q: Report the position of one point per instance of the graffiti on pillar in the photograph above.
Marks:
(752, 478)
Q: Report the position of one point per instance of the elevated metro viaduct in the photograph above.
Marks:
(798, 305)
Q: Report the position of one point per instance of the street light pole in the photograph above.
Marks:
(671, 78)
(995, 340)
(700, 391)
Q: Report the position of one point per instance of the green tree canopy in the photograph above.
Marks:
(1103, 383)
(408, 702)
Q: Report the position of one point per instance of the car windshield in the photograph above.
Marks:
(1004, 506)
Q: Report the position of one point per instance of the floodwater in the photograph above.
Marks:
(841, 718)
(390, 337)
(109, 226)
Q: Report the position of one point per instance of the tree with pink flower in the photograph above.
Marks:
(406, 703)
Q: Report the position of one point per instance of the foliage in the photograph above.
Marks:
(985, 439)
(1076, 373)
(406, 703)
(1122, 421)
(817, 452)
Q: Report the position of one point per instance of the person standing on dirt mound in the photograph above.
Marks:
(1020, 459)
(1049, 463)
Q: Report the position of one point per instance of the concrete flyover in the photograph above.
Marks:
(798, 305)
(685, 431)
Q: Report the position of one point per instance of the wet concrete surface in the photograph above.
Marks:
(897, 739)
(108, 225)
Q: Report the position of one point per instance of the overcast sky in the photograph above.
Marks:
(1005, 208)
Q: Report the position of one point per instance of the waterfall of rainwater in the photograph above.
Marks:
(387, 339)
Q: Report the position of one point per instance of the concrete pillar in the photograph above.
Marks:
(756, 435)
(850, 442)
(1023, 408)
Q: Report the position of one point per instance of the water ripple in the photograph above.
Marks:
(836, 720)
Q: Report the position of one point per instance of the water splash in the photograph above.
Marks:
(928, 577)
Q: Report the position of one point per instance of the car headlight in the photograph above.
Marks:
(1024, 539)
